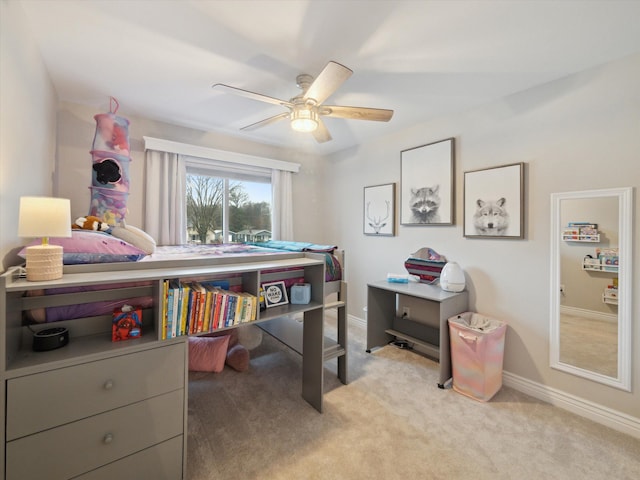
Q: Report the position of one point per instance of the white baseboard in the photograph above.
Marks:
(603, 415)
(361, 321)
(590, 314)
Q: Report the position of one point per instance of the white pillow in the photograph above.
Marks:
(135, 236)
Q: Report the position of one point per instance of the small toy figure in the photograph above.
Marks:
(91, 223)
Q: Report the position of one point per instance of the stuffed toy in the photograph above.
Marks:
(91, 223)
(107, 171)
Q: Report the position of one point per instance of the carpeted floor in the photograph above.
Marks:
(589, 344)
(390, 422)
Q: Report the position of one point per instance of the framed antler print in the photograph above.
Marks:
(379, 210)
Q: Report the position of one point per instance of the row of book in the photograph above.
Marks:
(580, 231)
(202, 307)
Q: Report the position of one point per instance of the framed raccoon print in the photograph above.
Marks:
(427, 187)
(494, 202)
(379, 210)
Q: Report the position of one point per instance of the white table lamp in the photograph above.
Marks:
(44, 217)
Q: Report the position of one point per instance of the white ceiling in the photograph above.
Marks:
(421, 58)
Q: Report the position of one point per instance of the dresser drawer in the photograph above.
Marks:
(93, 442)
(48, 399)
(160, 462)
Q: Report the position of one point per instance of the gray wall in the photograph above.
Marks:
(578, 133)
(27, 125)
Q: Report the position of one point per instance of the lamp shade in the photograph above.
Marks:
(44, 217)
(452, 278)
(304, 119)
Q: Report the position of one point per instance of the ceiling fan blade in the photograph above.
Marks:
(329, 80)
(356, 113)
(266, 121)
(252, 95)
(321, 134)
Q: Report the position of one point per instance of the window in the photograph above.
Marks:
(227, 204)
(168, 164)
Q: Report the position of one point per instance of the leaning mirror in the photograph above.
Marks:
(591, 284)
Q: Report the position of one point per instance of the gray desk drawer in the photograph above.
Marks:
(160, 462)
(79, 447)
(48, 399)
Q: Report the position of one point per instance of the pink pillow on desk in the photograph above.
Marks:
(208, 354)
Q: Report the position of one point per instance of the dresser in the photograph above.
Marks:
(99, 417)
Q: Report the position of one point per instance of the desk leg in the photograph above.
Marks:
(343, 341)
(313, 357)
(381, 310)
(445, 353)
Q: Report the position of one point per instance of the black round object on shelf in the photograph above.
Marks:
(50, 339)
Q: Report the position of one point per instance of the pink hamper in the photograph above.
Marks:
(477, 350)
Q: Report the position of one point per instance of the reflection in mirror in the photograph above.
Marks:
(590, 285)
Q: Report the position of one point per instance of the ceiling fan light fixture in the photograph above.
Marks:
(304, 119)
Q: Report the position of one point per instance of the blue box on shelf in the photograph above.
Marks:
(300, 293)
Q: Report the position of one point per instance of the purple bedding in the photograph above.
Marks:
(70, 312)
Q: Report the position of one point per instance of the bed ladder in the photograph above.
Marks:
(339, 349)
(289, 332)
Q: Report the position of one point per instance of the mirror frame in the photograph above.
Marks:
(625, 275)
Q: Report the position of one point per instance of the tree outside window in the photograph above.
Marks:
(247, 212)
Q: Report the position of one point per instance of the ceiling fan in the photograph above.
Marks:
(306, 109)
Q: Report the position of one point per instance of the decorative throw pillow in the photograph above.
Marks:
(207, 354)
(135, 236)
(85, 246)
(238, 358)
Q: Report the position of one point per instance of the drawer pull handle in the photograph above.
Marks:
(108, 385)
(108, 438)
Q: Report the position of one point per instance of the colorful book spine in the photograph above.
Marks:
(165, 293)
(223, 309)
(175, 316)
(169, 319)
(206, 325)
(185, 296)
(202, 298)
(219, 304)
(194, 309)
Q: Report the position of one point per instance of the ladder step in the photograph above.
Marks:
(334, 351)
(337, 304)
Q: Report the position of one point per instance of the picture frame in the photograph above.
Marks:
(427, 194)
(379, 210)
(494, 202)
(275, 294)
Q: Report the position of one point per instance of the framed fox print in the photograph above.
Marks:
(494, 202)
(427, 187)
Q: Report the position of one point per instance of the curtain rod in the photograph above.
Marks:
(161, 145)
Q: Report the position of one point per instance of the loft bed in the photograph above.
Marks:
(96, 302)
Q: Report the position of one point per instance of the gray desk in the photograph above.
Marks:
(430, 334)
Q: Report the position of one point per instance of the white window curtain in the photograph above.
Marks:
(165, 211)
(166, 165)
(282, 213)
